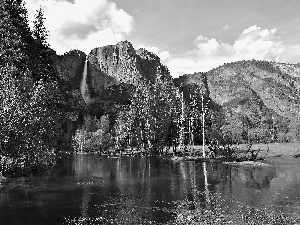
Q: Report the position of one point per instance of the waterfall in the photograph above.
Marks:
(83, 85)
(84, 88)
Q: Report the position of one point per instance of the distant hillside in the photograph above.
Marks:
(270, 82)
(274, 85)
(264, 92)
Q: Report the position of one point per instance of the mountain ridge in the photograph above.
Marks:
(269, 80)
(262, 92)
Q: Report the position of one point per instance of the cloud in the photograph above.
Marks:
(226, 27)
(260, 44)
(253, 43)
(163, 55)
(82, 24)
(77, 29)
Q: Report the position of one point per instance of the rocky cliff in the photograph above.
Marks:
(108, 74)
(114, 71)
(121, 63)
(70, 69)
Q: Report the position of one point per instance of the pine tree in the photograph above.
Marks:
(43, 64)
(30, 116)
(193, 114)
(182, 124)
(40, 33)
(15, 36)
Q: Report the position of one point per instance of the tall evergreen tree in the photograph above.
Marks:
(30, 114)
(43, 64)
(40, 32)
(15, 35)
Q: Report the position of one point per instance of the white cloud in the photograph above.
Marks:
(154, 50)
(163, 55)
(226, 27)
(82, 24)
(253, 43)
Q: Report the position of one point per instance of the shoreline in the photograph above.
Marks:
(272, 150)
(279, 149)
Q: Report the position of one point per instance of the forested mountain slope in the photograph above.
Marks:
(122, 88)
(263, 93)
(278, 90)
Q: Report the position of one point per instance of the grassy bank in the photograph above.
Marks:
(280, 149)
(272, 150)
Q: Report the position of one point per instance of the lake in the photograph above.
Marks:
(133, 190)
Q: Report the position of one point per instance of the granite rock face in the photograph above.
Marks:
(108, 74)
(70, 67)
(121, 63)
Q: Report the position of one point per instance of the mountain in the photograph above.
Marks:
(275, 86)
(263, 92)
(107, 75)
(121, 63)
(247, 97)
(70, 68)
(121, 88)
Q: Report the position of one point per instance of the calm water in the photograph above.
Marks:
(89, 186)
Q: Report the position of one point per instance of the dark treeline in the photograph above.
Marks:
(162, 115)
(157, 116)
(31, 96)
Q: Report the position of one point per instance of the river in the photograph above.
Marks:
(137, 189)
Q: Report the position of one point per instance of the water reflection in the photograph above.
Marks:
(135, 189)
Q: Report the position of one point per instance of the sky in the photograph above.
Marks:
(188, 35)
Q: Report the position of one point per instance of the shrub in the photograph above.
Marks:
(285, 137)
